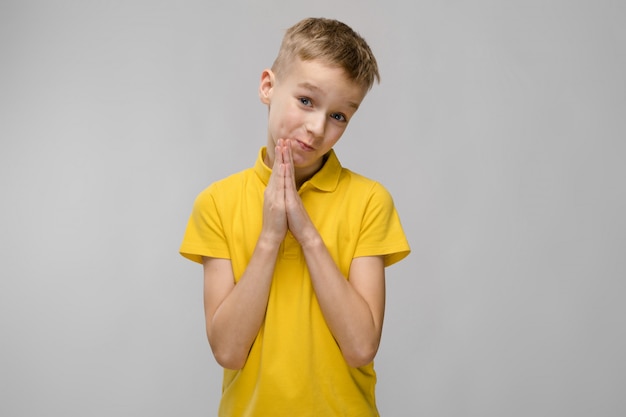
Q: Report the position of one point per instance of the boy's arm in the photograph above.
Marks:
(234, 313)
(353, 308)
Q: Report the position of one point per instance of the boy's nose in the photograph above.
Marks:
(316, 123)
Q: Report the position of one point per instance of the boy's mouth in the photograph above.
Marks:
(303, 145)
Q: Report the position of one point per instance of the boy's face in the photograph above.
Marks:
(310, 104)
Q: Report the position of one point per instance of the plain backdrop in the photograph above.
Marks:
(499, 128)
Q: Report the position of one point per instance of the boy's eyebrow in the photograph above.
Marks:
(314, 88)
(310, 86)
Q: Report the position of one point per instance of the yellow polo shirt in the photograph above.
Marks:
(295, 367)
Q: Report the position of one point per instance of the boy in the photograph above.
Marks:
(294, 249)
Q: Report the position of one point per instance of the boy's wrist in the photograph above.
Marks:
(311, 240)
(269, 241)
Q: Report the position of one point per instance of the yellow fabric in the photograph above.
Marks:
(295, 367)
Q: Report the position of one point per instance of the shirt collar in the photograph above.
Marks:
(326, 179)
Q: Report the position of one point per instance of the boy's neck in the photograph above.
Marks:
(302, 175)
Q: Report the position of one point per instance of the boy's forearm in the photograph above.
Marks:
(239, 317)
(347, 313)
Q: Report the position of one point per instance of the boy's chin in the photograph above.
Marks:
(309, 164)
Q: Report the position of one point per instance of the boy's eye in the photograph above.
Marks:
(305, 101)
(338, 116)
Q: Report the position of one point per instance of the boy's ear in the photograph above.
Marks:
(266, 86)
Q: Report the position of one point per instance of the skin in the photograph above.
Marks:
(309, 109)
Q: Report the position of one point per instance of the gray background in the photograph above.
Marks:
(499, 128)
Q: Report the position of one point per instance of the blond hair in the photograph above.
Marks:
(331, 42)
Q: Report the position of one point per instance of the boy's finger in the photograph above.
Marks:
(277, 153)
(290, 179)
(291, 165)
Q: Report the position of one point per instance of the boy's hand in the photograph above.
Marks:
(274, 211)
(298, 219)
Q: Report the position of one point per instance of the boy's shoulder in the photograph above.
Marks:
(231, 181)
(362, 182)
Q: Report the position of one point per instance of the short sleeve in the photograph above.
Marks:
(381, 230)
(204, 235)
